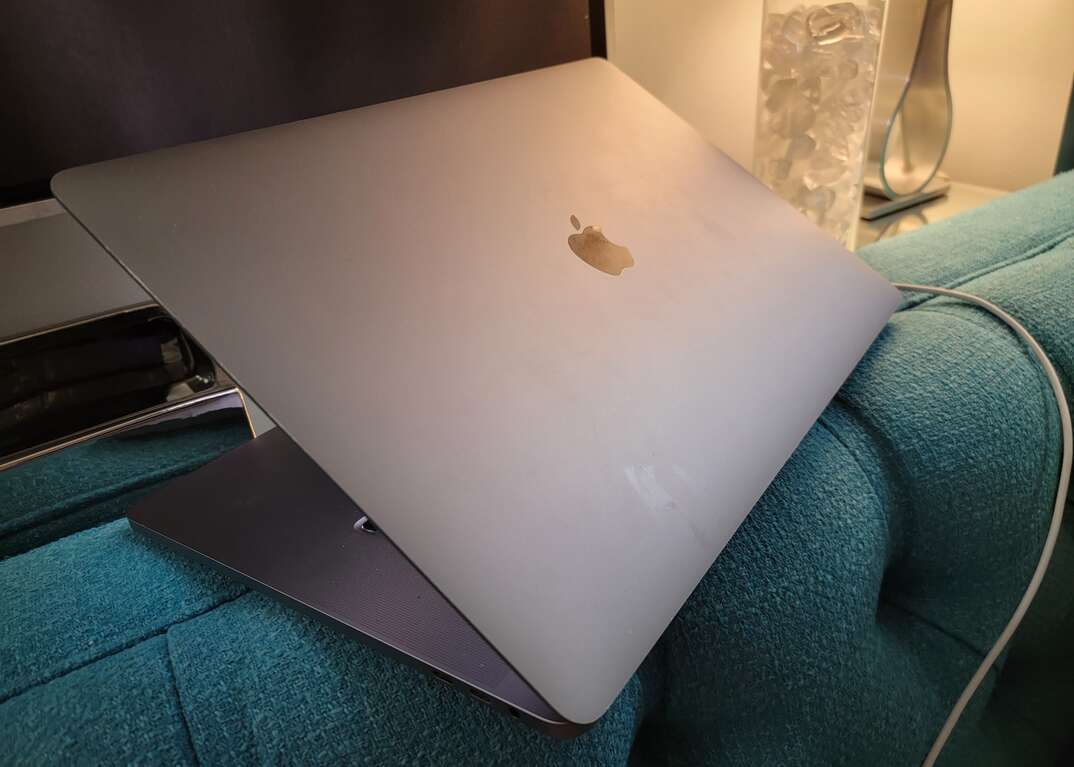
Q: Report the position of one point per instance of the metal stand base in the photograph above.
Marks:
(874, 205)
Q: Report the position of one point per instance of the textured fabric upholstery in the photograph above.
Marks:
(837, 627)
(97, 481)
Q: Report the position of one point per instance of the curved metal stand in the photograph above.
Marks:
(912, 109)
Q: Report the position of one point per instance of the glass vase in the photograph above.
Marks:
(818, 67)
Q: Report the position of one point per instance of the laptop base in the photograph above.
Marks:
(266, 513)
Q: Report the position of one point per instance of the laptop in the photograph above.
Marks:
(534, 347)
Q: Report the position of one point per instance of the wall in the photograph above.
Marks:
(700, 57)
(1011, 68)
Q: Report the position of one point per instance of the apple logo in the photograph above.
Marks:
(598, 251)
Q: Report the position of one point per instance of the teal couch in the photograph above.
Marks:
(837, 627)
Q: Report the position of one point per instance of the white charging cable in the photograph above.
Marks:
(1057, 512)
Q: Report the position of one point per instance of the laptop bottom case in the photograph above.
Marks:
(266, 513)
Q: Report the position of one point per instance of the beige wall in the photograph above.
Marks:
(1011, 66)
(698, 56)
(1011, 69)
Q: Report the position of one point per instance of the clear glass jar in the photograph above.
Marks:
(818, 67)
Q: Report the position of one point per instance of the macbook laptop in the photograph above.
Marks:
(535, 348)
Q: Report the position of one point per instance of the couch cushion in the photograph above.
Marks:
(107, 627)
(122, 709)
(952, 252)
(88, 484)
(282, 688)
(91, 595)
(861, 592)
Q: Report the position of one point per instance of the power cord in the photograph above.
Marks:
(1057, 512)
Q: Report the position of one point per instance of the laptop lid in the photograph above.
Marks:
(561, 443)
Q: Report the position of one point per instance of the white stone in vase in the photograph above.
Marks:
(818, 65)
